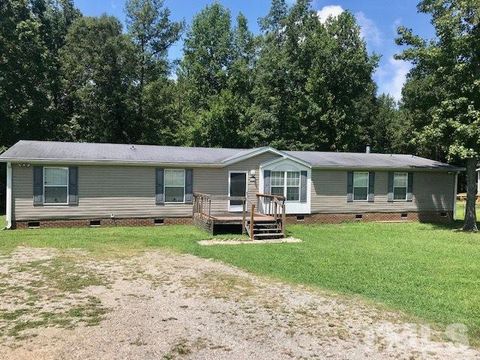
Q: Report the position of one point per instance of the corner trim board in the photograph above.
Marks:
(9, 196)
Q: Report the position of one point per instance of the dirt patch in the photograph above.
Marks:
(42, 288)
(163, 305)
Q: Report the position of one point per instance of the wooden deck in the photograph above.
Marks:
(233, 218)
(264, 220)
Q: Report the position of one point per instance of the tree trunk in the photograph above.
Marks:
(470, 214)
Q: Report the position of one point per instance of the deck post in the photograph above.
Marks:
(252, 220)
(194, 205)
(209, 208)
(284, 218)
(244, 205)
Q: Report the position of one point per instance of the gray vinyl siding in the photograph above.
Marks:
(215, 181)
(126, 191)
(432, 191)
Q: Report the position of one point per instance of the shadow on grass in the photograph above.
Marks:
(453, 225)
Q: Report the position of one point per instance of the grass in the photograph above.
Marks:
(460, 213)
(428, 271)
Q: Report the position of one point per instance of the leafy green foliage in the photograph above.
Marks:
(31, 34)
(442, 92)
(98, 72)
(313, 87)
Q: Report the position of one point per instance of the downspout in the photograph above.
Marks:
(9, 195)
(455, 196)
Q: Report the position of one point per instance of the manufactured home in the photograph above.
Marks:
(87, 184)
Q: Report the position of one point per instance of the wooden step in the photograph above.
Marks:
(267, 230)
(269, 236)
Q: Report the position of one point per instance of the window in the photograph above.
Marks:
(277, 183)
(400, 181)
(360, 186)
(293, 186)
(55, 185)
(174, 185)
(286, 183)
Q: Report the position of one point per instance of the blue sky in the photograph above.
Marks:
(378, 19)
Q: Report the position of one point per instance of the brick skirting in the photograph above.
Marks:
(108, 222)
(433, 217)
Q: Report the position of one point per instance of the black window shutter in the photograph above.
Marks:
(350, 186)
(189, 186)
(390, 187)
(159, 178)
(303, 186)
(410, 187)
(73, 185)
(371, 186)
(266, 182)
(37, 185)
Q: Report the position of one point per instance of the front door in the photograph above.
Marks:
(237, 186)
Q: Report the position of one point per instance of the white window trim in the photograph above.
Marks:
(290, 165)
(285, 186)
(276, 186)
(165, 186)
(66, 186)
(353, 185)
(236, 208)
(400, 187)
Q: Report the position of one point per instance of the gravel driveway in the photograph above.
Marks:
(161, 305)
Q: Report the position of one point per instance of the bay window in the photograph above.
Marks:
(293, 186)
(286, 184)
(277, 183)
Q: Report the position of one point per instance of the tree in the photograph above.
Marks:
(313, 88)
(450, 67)
(152, 31)
(207, 54)
(272, 92)
(390, 128)
(98, 68)
(31, 34)
(241, 79)
(203, 76)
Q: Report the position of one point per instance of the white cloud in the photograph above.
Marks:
(329, 11)
(368, 29)
(391, 77)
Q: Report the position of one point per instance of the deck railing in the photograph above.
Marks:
(202, 205)
(273, 205)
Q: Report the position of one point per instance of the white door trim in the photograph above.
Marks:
(236, 208)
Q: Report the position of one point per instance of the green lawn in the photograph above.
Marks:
(428, 271)
(460, 212)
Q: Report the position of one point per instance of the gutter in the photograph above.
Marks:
(108, 162)
(380, 168)
(9, 196)
(217, 165)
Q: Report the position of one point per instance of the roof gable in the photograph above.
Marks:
(258, 151)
